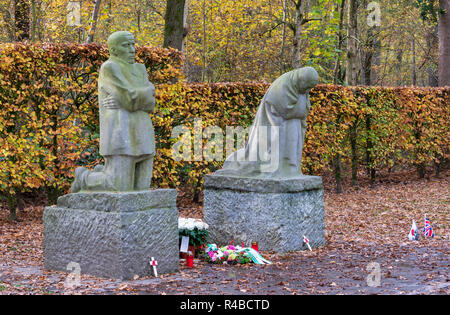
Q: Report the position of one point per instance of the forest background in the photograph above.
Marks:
(388, 43)
(48, 106)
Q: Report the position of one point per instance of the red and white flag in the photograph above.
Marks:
(306, 241)
(413, 232)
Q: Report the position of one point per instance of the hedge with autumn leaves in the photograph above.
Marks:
(49, 120)
(49, 113)
(371, 128)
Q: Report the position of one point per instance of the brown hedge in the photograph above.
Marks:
(49, 120)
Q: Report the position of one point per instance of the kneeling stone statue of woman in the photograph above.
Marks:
(275, 143)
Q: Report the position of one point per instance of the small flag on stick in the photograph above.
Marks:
(413, 232)
(427, 230)
(154, 263)
(306, 241)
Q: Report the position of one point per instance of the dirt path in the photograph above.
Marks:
(338, 268)
(364, 226)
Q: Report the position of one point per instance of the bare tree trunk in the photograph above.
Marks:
(109, 19)
(354, 150)
(413, 61)
(33, 20)
(366, 61)
(204, 42)
(432, 42)
(376, 56)
(444, 43)
(338, 173)
(337, 66)
(283, 39)
(22, 19)
(185, 25)
(12, 205)
(398, 64)
(39, 23)
(300, 17)
(369, 151)
(370, 55)
(138, 18)
(94, 19)
(174, 24)
(351, 72)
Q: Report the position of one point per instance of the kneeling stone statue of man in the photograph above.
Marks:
(127, 139)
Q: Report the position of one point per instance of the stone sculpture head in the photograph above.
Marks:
(306, 79)
(121, 46)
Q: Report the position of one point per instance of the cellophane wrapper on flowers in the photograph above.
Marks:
(229, 254)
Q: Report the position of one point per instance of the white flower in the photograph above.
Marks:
(181, 223)
(191, 223)
(199, 224)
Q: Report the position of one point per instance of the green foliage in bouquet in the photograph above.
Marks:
(196, 237)
(196, 229)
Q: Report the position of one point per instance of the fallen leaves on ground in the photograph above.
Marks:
(366, 224)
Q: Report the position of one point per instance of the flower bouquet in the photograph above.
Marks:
(196, 229)
(233, 255)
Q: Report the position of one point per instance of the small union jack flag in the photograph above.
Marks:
(427, 230)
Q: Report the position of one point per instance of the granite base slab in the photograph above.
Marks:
(274, 212)
(113, 235)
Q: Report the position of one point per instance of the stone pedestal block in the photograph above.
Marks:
(275, 213)
(113, 235)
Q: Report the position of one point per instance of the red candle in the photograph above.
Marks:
(255, 246)
(190, 260)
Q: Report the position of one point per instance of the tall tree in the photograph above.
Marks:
(301, 9)
(370, 43)
(22, 19)
(413, 61)
(301, 18)
(283, 38)
(432, 44)
(204, 42)
(33, 20)
(444, 42)
(337, 77)
(93, 27)
(175, 24)
(439, 10)
(352, 44)
(351, 79)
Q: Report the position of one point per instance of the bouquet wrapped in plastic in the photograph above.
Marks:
(232, 255)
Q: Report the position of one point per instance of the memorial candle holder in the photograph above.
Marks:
(255, 246)
(190, 260)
